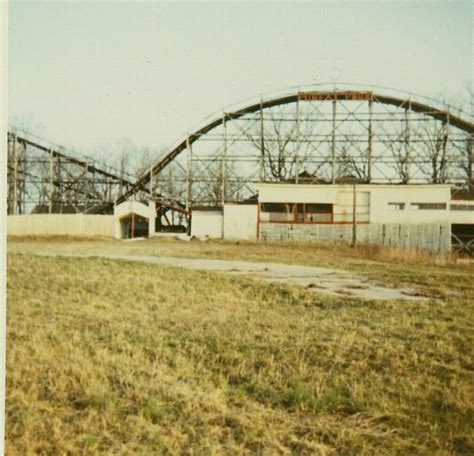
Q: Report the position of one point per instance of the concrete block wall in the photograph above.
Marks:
(60, 225)
(433, 237)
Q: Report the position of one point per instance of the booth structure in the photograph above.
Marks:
(133, 219)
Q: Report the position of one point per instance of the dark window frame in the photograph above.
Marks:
(428, 206)
(297, 213)
(396, 206)
(461, 207)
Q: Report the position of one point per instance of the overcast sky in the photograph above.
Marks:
(92, 73)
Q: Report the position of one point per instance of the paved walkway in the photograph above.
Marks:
(333, 282)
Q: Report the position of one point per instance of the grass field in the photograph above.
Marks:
(114, 357)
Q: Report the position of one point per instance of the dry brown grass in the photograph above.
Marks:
(113, 357)
(56, 238)
(294, 251)
(388, 265)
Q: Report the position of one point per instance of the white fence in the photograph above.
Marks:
(60, 225)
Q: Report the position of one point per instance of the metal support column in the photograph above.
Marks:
(470, 154)
(151, 181)
(188, 173)
(223, 161)
(21, 162)
(51, 181)
(370, 146)
(262, 145)
(15, 178)
(297, 158)
(58, 189)
(444, 174)
(87, 187)
(333, 145)
(407, 158)
(354, 215)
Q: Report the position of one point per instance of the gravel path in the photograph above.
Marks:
(333, 282)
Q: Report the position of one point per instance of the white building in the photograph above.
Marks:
(410, 216)
(374, 203)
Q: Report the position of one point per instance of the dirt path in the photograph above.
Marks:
(320, 280)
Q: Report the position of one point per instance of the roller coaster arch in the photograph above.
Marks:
(316, 136)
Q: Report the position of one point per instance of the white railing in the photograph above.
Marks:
(281, 217)
(317, 217)
(290, 217)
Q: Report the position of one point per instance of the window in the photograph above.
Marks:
(277, 212)
(277, 207)
(396, 206)
(296, 213)
(462, 207)
(429, 206)
(314, 213)
(318, 208)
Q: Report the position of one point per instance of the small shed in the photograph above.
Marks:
(133, 219)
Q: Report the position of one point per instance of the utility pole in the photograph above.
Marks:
(51, 181)
(354, 215)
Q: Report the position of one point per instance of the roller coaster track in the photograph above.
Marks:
(408, 104)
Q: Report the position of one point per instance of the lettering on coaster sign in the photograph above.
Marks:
(346, 95)
(351, 95)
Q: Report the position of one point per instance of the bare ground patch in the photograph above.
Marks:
(320, 280)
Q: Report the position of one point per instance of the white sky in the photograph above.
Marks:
(92, 73)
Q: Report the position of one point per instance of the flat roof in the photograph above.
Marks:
(286, 184)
